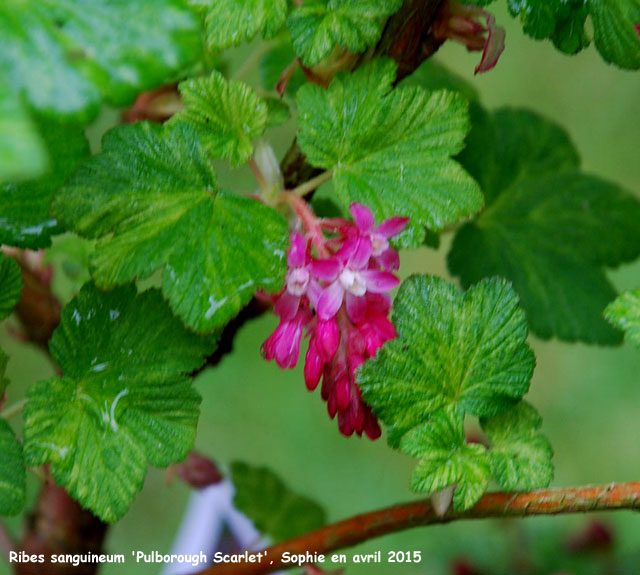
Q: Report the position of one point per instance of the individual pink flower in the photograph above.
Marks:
(283, 344)
(383, 255)
(350, 278)
(297, 281)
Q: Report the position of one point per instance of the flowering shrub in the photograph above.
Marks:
(133, 261)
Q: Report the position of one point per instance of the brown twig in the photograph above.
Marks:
(420, 513)
(7, 543)
(60, 526)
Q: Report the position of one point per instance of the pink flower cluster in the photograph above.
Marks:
(339, 299)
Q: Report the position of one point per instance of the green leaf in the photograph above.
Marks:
(227, 114)
(615, 35)
(64, 57)
(25, 208)
(124, 401)
(232, 22)
(624, 313)
(63, 41)
(614, 31)
(318, 26)
(454, 348)
(520, 455)
(273, 508)
(548, 227)
(151, 198)
(10, 285)
(390, 148)
(446, 459)
(12, 472)
(22, 153)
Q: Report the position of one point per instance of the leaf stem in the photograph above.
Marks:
(303, 189)
(13, 409)
(421, 513)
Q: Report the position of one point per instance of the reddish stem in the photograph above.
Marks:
(420, 513)
(310, 222)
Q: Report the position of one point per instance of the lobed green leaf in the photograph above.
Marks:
(152, 200)
(446, 459)
(563, 21)
(520, 455)
(454, 349)
(227, 115)
(318, 26)
(390, 148)
(124, 400)
(232, 22)
(548, 227)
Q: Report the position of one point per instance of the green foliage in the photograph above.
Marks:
(454, 348)
(624, 313)
(152, 199)
(318, 26)
(227, 114)
(63, 57)
(25, 218)
(124, 400)
(614, 32)
(459, 353)
(447, 459)
(12, 471)
(275, 510)
(232, 22)
(390, 149)
(10, 285)
(520, 455)
(548, 227)
(10, 291)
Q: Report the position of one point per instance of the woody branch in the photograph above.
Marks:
(374, 524)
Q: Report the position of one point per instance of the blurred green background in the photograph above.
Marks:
(589, 396)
